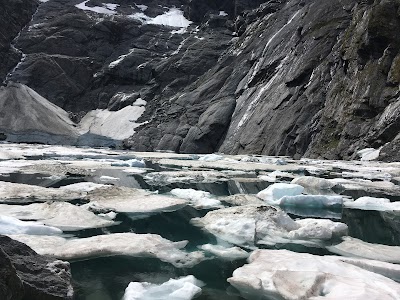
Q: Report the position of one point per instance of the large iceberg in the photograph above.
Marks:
(282, 274)
(129, 244)
(184, 288)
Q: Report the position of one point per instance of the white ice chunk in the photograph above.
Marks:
(142, 7)
(318, 229)
(198, 199)
(10, 225)
(184, 288)
(319, 201)
(62, 215)
(229, 253)
(83, 187)
(222, 13)
(277, 190)
(369, 154)
(274, 176)
(282, 274)
(250, 225)
(129, 244)
(356, 248)
(371, 203)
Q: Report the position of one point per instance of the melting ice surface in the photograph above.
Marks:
(171, 226)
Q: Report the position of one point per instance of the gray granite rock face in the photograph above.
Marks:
(288, 77)
(42, 278)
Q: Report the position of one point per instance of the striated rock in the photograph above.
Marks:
(11, 287)
(42, 277)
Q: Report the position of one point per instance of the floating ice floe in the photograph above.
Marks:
(167, 177)
(228, 253)
(251, 225)
(197, 199)
(133, 163)
(371, 203)
(63, 215)
(368, 187)
(83, 187)
(276, 191)
(128, 244)
(24, 193)
(130, 200)
(356, 248)
(10, 225)
(185, 288)
(109, 178)
(282, 274)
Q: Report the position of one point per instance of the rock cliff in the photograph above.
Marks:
(279, 77)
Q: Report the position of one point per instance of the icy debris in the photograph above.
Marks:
(134, 170)
(10, 225)
(197, 199)
(251, 225)
(24, 193)
(356, 248)
(142, 7)
(228, 253)
(129, 244)
(277, 190)
(368, 154)
(282, 274)
(184, 288)
(107, 9)
(211, 157)
(318, 201)
(222, 13)
(371, 203)
(62, 215)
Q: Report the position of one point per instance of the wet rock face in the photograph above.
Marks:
(311, 78)
(40, 278)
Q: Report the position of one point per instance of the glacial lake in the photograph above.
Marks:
(106, 278)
